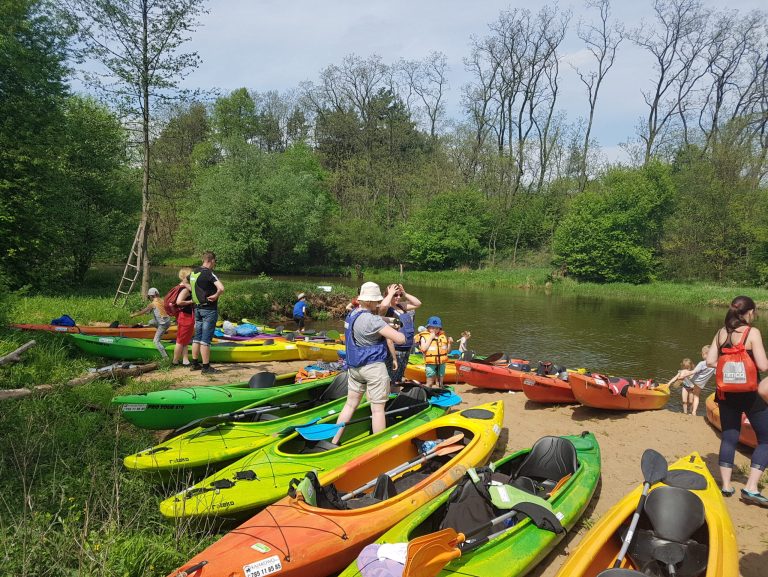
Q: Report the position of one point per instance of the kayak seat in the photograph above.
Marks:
(318, 447)
(336, 390)
(267, 417)
(413, 397)
(550, 460)
(675, 516)
(263, 380)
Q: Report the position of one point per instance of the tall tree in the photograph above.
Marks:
(33, 50)
(602, 39)
(137, 44)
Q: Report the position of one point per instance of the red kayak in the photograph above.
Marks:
(547, 389)
(491, 376)
(618, 393)
(139, 332)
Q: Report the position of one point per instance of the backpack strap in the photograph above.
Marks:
(744, 335)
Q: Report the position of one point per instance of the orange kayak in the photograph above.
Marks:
(747, 435)
(490, 376)
(617, 394)
(547, 389)
(120, 331)
(294, 538)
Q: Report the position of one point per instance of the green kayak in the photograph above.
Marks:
(263, 476)
(222, 438)
(129, 349)
(508, 518)
(174, 408)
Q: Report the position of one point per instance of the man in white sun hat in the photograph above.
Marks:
(366, 341)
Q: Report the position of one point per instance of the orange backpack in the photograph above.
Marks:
(736, 371)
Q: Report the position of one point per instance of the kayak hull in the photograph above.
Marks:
(310, 351)
(174, 408)
(301, 540)
(547, 389)
(123, 348)
(747, 435)
(523, 546)
(593, 392)
(600, 546)
(262, 477)
(120, 331)
(497, 377)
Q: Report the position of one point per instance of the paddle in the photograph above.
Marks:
(333, 334)
(654, 467)
(236, 416)
(489, 360)
(445, 447)
(329, 430)
(193, 569)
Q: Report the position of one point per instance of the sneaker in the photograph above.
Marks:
(728, 492)
(210, 371)
(755, 498)
(195, 366)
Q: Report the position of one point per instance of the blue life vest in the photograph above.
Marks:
(407, 328)
(358, 356)
(298, 309)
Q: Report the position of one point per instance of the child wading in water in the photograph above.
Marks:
(694, 380)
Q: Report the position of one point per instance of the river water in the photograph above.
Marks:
(618, 337)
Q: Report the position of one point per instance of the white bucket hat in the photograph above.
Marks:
(370, 292)
(301, 296)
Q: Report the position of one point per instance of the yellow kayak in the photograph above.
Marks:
(310, 351)
(684, 513)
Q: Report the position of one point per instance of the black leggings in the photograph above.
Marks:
(730, 420)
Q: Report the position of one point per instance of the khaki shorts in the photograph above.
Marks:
(373, 380)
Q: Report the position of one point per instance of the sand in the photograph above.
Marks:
(622, 436)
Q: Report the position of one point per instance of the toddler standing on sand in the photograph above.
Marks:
(694, 380)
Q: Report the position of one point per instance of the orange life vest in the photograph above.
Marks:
(437, 353)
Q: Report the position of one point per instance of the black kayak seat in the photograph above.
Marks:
(675, 515)
(551, 458)
(337, 389)
(263, 380)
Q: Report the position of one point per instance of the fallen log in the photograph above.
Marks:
(116, 373)
(15, 356)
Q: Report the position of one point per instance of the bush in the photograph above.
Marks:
(613, 233)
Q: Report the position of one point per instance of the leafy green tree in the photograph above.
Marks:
(96, 204)
(33, 49)
(449, 230)
(613, 232)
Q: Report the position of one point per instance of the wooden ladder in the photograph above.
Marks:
(131, 270)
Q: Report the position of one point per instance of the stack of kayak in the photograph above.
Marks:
(496, 371)
(327, 519)
(221, 352)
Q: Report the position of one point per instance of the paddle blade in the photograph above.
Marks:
(319, 432)
(445, 400)
(333, 334)
(427, 555)
(490, 359)
(654, 466)
(292, 428)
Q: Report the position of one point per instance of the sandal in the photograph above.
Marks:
(728, 492)
(756, 498)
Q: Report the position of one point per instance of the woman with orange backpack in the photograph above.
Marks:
(738, 354)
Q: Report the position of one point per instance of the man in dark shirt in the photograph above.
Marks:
(206, 290)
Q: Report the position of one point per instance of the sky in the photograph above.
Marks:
(276, 44)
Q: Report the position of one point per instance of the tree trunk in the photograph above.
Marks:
(15, 356)
(143, 250)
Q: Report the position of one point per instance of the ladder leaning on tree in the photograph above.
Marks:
(132, 269)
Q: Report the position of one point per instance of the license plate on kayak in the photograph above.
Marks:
(529, 382)
(106, 340)
(134, 408)
(465, 368)
(265, 567)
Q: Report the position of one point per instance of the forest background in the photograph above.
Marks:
(361, 166)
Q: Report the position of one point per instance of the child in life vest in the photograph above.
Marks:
(435, 345)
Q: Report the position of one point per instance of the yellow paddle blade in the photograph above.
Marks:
(427, 555)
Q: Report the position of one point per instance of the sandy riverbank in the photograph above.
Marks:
(623, 437)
